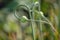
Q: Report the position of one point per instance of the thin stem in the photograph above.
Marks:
(50, 24)
(41, 36)
(33, 22)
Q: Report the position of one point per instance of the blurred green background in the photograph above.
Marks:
(36, 27)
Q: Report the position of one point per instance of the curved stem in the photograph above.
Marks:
(15, 14)
(47, 21)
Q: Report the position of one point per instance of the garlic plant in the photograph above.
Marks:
(32, 11)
